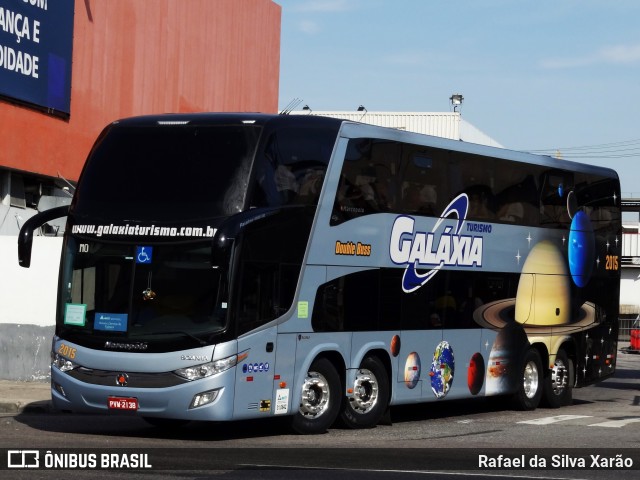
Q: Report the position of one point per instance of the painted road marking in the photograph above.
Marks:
(554, 419)
(616, 423)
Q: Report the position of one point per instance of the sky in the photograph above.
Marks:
(537, 76)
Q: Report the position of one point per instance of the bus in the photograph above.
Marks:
(220, 267)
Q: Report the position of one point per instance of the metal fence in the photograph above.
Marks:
(626, 324)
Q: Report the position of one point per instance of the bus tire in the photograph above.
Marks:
(319, 398)
(370, 398)
(530, 382)
(558, 383)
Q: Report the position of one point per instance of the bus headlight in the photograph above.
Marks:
(63, 364)
(207, 369)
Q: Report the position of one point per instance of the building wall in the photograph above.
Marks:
(27, 308)
(129, 58)
(630, 291)
(149, 56)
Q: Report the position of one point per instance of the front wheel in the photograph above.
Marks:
(529, 392)
(558, 386)
(319, 398)
(370, 398)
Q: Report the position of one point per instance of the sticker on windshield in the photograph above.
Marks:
(110, 322)
(75, 314)
(144, 254)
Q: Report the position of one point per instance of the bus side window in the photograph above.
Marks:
(290, 170)
(555, 185)
(367, 180)
(346, 303)
(481, 203)
(257, 295)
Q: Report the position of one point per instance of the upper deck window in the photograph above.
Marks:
(164, 173)
(291, 166)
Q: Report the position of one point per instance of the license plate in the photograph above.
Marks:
(122, 403)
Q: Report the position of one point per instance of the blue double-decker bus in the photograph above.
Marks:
(236, 266)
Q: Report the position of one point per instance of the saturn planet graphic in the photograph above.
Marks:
(543, 299)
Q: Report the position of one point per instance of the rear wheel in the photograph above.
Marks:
(319, 399)
(370, 398)
(558, 384)
(529, 392)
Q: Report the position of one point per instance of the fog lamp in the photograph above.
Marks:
(58, 388)
(204, 398)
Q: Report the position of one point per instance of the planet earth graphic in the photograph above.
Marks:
(475, 373)
(442, 369)
(412, 370)
(582, 247)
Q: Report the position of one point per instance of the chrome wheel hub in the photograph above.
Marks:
(365, 392)
(315, 395)
(559, 377)
(530, 379)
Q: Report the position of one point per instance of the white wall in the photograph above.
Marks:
(28, 295)
(630, 291)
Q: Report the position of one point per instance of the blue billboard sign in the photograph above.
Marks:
(36, 43)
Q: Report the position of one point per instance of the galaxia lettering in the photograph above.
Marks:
(433, 249)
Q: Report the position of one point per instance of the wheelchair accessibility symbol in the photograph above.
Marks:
(144, 254)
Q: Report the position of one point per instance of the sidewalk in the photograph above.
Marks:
(16, 396)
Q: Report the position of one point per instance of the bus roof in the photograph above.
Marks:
(350, 129)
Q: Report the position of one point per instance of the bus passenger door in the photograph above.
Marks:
(254, 374)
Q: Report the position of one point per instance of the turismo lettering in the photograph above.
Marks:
(479, 227)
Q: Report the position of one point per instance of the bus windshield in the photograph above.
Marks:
(164, 173)
(169, 294)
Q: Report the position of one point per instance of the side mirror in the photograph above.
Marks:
(25, 237)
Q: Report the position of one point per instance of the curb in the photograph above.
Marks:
(42, 406)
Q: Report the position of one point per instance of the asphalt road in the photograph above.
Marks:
(425, 441)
